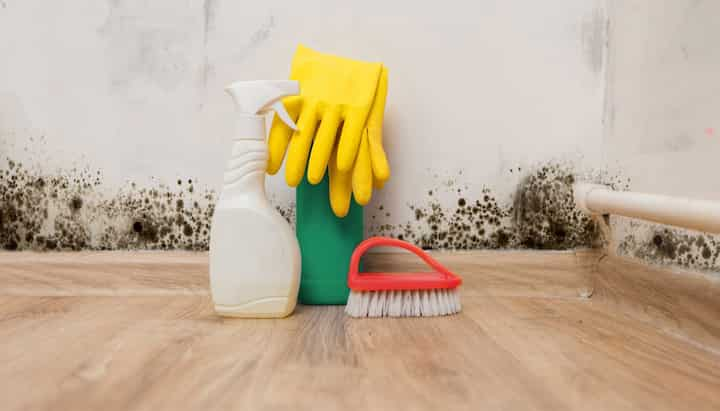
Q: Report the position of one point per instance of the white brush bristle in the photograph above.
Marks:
(411, 303)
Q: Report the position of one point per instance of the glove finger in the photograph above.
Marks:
(378, 184)
(280, 135)
(362, 176)
(377, 110)
(380, 166)
(340, 187)
(323, 145)
(350, 138)
(299, 147)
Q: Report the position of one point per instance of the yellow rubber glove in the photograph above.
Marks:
(334, 91)
(371, 165)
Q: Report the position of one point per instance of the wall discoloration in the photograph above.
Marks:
(544, 212)
(680, 142)
(287, 212)
(209, 7)
(593, 32)
(209, 10)
(263, 32)
(68, 210)
(257, 38)
(143, 50)
(667, 246)
(541, 215)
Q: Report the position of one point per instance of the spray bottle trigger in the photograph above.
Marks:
(283, 114)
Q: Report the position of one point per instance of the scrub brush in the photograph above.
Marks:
(401, 294)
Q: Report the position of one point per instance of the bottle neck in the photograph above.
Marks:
(250, 127)
(245, 170)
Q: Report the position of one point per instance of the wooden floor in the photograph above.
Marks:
(538, 331)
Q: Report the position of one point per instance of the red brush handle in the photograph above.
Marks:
(371, 242)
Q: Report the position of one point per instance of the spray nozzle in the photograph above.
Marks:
(259, 96)
(281, 112)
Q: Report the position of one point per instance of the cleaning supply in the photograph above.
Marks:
(346, 95)
(335, 91)
(401, 294)
(371, 165)
(326, 244)
(254, 255)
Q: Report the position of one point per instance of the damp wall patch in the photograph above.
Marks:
(72, 210)
(68, 210)
(663, 245)
(540, 215)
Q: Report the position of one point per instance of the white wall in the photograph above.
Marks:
(134, 87)
(663, 118)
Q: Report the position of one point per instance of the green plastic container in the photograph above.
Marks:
(326, 244)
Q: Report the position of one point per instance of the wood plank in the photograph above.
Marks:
(599, 359)
(104, 273)
(136, 331)
(500, 353)
(91, 353)
(682, 303)
(513, 273)
(563, 274)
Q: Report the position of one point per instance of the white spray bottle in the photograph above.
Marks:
(254, 254)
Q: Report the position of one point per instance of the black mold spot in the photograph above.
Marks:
(148, 231)
(11, 244)
(657, 240)
(671, 246)
(544, 213)
(542, 216)
(76, 203)
(288, 213)
(501, 238)
(706, 253)
(666, 244)
(67, 211)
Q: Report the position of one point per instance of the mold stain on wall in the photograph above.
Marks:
(540, 215)
(593, 36)
(663, 245)
(69, 211)
(73, 210)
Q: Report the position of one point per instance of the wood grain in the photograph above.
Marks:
(508, 273)
(136, 331)
(681, 303)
